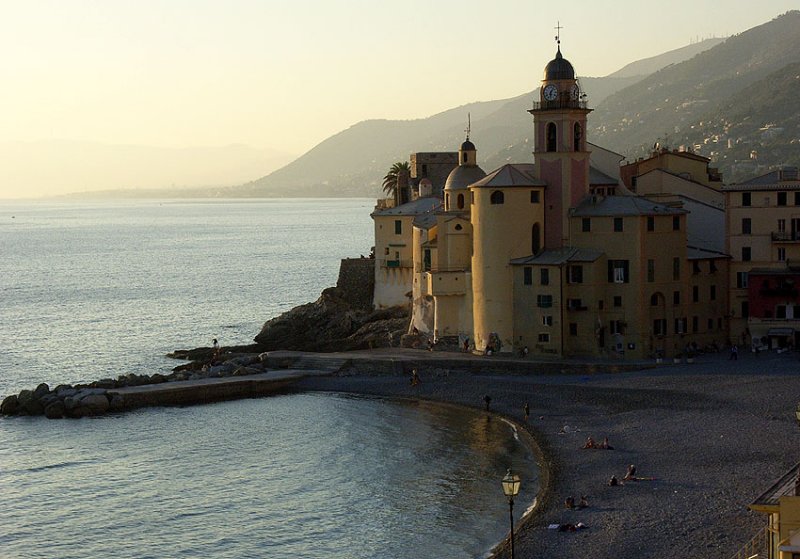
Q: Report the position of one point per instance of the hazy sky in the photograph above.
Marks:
(284, 75)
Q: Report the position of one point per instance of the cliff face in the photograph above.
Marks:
(333, 323)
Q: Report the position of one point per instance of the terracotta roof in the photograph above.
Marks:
(559, 256)
(510, 175)
(622, 206)
(416, 207)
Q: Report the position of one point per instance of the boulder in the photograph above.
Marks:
(117, 403)
(41, 390)
(29, 404)
(96, 404)
(10, 405)
(55, 410)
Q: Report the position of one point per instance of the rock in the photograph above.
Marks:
(104, 383)
(55, 410)
(41, 390)
(29, 404)
(96, 404)
(117, 403)
(10, 405)
(157, 378)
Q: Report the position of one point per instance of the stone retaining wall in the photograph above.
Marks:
(357, 282)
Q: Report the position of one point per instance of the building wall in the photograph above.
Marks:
(357, 281)
(536, 326)
(435, 166)
(394, 260)
(501, 232)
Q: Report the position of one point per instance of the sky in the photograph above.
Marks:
(142, 93)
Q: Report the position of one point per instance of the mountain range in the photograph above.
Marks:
(709, 95)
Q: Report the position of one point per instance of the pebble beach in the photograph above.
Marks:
(708, 437)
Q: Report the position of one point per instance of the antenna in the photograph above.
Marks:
(469, 125)
(558, 29)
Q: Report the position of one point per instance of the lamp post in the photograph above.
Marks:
(511, 489)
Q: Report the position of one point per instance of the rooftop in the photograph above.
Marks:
(622, 206)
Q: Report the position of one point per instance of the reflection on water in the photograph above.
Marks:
(310, 475)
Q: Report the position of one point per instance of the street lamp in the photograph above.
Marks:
(511, 489)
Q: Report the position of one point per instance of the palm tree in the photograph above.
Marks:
(393, 177)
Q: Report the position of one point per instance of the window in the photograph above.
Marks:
(695, 294)
(575, 305)
(544, 276)
(781, 255)
(654, 300)
(386, 251)
(651, 223)
(746, 254)
(586, 224)
(600, 305)
(745, 198)
(617, 300)
(547, 320)
(712, 267)
(746, 226)
(497, 197)
(797, 198)
(618, 271)
(424, 170)
(781, 198)
(695, 267)
(617, 224)
(534, 196)
(680, 325)
(460, 202)
(544, 301)
(616, 327)
(573, 329)
(544, 338)
(527, 275)
(577, 137)
(676, 223)
(676, 268)
(398, 227)
(472, 197)
(575, 274)
(712, 293)
(676, 297)
(660, 327)
(780, 311)
(745, 309)
(458, 227)
(695, 324)
(536, 238)
(710, 324)
(651, 271)
(551, 136)
(741, 280)
(447, 201)
(464, 157)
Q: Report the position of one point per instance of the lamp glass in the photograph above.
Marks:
(510, 484)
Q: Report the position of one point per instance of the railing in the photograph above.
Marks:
(559, 104)
(397, 263)
(786, 236)
(757, 547)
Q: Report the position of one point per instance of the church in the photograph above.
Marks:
(555, 256)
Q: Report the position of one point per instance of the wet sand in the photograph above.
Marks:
(714, 434)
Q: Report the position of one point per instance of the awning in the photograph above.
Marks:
(780, 332)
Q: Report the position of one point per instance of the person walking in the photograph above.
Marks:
(527, 410)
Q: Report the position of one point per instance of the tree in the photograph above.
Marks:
(390, 181)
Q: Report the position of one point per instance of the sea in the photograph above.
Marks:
(98, 289)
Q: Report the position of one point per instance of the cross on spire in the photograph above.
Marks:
(558, 29)
(469, 125)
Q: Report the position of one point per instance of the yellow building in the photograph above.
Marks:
(557, 255)
(781, 503)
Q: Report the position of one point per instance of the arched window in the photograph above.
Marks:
(497, 197)
(446, 202)
(654, 300)
(551, 136)
(460, 202)
(463, 157)
(577, 136)
(536, 238)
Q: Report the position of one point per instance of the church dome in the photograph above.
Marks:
(467, 146)
(559, 69)
(463, 176)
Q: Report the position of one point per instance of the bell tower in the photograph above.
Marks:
(560, 154)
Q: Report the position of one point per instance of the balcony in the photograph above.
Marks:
(559, 104)
(785, 237)
(397, 263)
(442, 283)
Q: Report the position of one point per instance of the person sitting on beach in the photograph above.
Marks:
(590, 443)
(584, 502)
(527, 410)
(414, 377)
(631, 474)
(605, 446)
(569, 502)
(613, 482)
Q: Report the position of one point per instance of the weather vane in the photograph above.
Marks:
(558, 29)
(469, 125)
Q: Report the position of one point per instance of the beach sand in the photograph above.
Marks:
(714, 434)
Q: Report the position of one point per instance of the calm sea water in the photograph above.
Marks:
(93, 290)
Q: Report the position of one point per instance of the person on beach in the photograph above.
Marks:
(466, 345)
(605, 446)
(487, 400)
(584, 502)
(590, 443)
(613, 482)
(527, 410)
(631, 474)
(414, 377)
(734, 353)
(569, 502)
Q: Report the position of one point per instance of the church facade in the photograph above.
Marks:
(556, 256)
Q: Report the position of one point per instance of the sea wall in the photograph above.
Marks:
(357, 282)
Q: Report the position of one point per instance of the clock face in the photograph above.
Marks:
(574, 92)
(550, 92)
